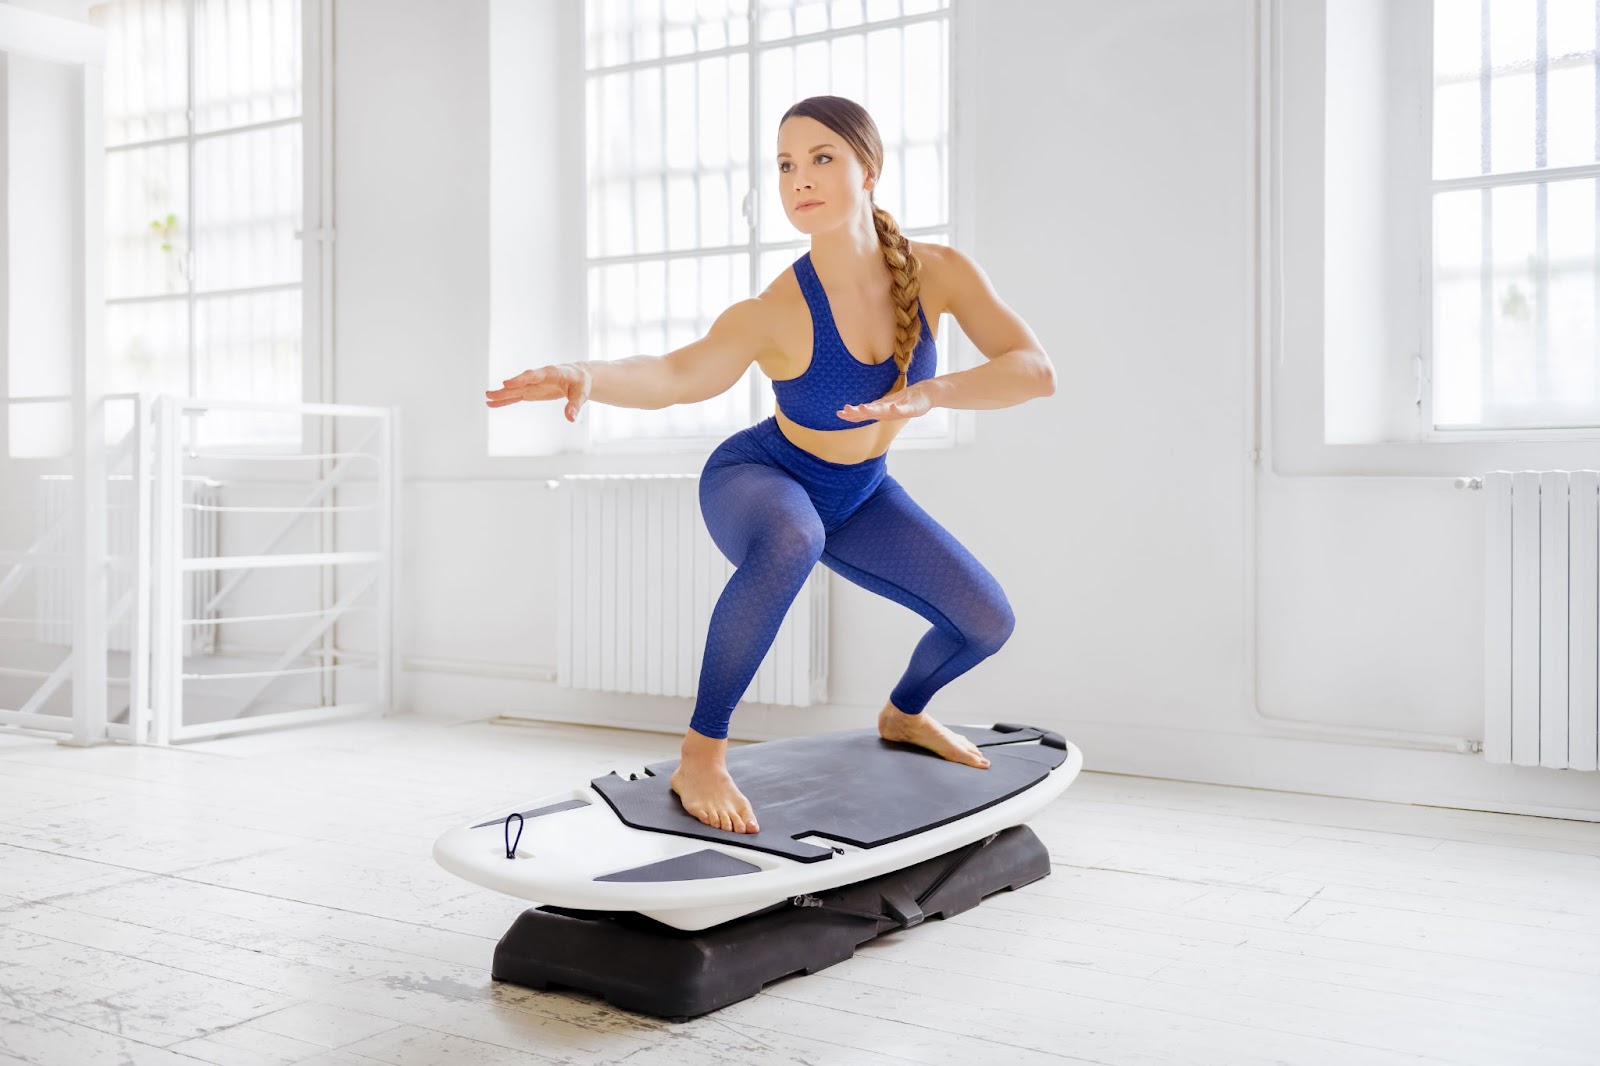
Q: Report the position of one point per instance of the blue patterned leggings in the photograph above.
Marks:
(775, 510)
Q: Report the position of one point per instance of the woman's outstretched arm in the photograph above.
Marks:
(708, 367)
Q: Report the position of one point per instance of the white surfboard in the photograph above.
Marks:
(834, 809)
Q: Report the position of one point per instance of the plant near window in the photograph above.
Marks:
(165, 229)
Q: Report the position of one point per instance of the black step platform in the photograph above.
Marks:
(641, 965)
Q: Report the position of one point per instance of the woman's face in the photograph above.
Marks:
(820, 180)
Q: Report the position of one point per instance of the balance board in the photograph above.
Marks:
(835, 809)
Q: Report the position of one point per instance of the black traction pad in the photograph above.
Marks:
(696, 866)
(851, 786)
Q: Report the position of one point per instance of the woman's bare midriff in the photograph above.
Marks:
(840, 445)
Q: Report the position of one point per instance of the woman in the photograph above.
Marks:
(846, 337)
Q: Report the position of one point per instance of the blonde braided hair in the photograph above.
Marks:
(850, 121)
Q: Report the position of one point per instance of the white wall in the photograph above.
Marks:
(40, 104)
(77, 10)
(1115, 210)
(43, 102)
(536, 271)
(1357, 227)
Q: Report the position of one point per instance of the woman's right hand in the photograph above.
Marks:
(569, 381)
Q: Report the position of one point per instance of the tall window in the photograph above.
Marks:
(683, 101)
(204, 175)
(1516, 182)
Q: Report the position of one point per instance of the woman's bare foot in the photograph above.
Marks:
(708, 793)
(923, 731)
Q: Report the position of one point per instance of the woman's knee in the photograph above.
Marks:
(988, 628)
(755, 513)
(796, 544)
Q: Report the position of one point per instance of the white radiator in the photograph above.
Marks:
(1542, 618)
(640, 576)
(53, 525)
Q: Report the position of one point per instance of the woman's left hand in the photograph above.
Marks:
(909, 402)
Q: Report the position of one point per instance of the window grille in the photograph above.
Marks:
(683, 102)
(205, 140)
(1514, 189)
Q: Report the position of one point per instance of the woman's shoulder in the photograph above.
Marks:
(782, 296)
(939, 265)
(785, 320)
(946, 273)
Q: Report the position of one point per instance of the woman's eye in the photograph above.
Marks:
(781, 167)
(826, 156)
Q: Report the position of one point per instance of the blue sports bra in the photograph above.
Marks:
(835, 377)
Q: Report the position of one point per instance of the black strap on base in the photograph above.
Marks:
(899, 909)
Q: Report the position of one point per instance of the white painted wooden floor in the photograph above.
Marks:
(271, 899)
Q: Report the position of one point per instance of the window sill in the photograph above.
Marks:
(1470, 455)
(706, 445)
(1588, 434)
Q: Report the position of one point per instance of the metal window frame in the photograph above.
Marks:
(316, 233)
(961, 423)
(1427, 187)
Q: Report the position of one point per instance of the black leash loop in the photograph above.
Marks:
(511, 846)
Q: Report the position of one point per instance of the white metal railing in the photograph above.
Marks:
(179, 597)
(125, 459)
(345, 576)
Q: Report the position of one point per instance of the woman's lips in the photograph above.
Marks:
(808, 205)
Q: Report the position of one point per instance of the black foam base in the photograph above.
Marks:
(642, 965)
